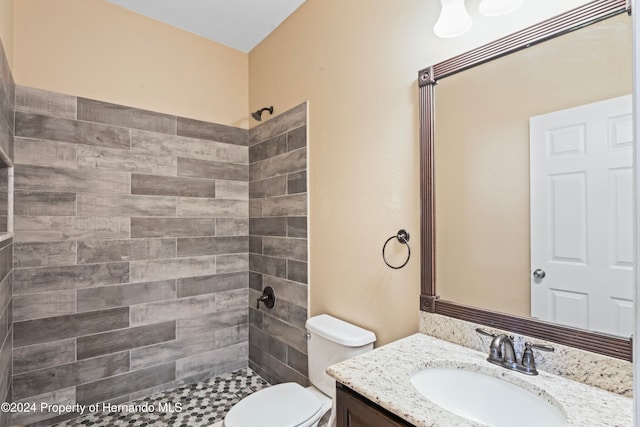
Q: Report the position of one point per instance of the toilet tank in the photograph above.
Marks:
(331, 341)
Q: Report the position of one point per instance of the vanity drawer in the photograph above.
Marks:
(354, 410)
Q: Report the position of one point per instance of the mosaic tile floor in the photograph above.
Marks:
(204, 403)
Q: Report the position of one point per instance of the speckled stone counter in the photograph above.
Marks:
(383, 376)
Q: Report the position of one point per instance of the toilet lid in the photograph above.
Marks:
(282, 405)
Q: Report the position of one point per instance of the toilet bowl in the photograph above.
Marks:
(331, 340)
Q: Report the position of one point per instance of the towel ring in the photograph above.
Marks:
(403, 237)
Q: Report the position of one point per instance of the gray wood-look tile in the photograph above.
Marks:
(297, 138)
(197, 168)
(286, 290)
(197, 326)
(255, 281)
(105, 297)
(120, 115)
(283, 331)
(297, 271)
(207, 362)
(181, 308)
(43, 304)
(269, 148)
(284, 164)
(210, 284)
(297, 182)
(54, 228)
(172, 227)
(255, 171)
(173, 186)
(6, 142)
(155, 270)
(284, 372)
(4, 197)
(29, 177)
(125, 339)
(96, 251)
(232, 263)
(44, 203)
(121, 385)
(255, 208)
(65, 396)
(40, 101)
(285, 247)
(293, 205)
(232, 190)
(255, 244)
(101, 158)
(45, 153)
(267, 344)
(50, 379)
(44, 254)
(37, 126)
(291, 313)
(232, 226)
(90, 204)
(46, 279)
(188, 346)
(57, 328)
(268, 265)
(216, 208)
(229, 300)
(274, 226)
(45, 355)
(297, 226)
(6, 292)
(212, 131)
(298, 361)
(188, 147)
(195, 246)
(290, 119)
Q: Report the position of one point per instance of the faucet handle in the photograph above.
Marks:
(528, 361)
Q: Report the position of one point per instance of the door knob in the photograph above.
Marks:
(539, 273)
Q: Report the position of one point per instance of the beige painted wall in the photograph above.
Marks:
(6, 29)
(356, 63)
(482, 156)
(94, 49)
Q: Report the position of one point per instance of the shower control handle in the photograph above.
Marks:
(268, 297)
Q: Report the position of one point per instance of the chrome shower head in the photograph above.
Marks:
(258, 114)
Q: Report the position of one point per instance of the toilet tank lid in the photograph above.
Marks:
(339, 331)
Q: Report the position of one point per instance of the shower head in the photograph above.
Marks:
(258, 114)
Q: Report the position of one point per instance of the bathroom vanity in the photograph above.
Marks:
(377, 388)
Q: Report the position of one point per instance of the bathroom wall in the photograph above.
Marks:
(131, 250)
(356, 63)
(7, 99)
(278, 246)
(98, 50)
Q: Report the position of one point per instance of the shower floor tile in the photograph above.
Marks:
(202, 404)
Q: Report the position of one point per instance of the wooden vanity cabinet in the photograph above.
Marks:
(354, 410)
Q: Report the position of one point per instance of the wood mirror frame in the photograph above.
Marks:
(582, 16)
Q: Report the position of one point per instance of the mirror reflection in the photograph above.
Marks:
(533, 181)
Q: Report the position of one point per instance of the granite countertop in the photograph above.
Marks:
(383, 376)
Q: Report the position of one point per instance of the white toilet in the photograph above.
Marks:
(291, 405)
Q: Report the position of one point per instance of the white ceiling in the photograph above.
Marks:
(240, 24)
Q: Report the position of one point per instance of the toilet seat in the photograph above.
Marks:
(281, 405)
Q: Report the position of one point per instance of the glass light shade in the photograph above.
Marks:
(498, 7)
(453, 21)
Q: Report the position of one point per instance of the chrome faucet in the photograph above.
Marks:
(502, 353)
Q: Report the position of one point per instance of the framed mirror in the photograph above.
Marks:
(526, 182)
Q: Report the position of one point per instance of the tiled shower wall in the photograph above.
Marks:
(131, 250)
(7, 99)
(278, 246)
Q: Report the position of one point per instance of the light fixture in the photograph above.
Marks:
(454, 20)
(498, 7)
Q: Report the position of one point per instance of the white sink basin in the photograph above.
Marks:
(485, 399)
